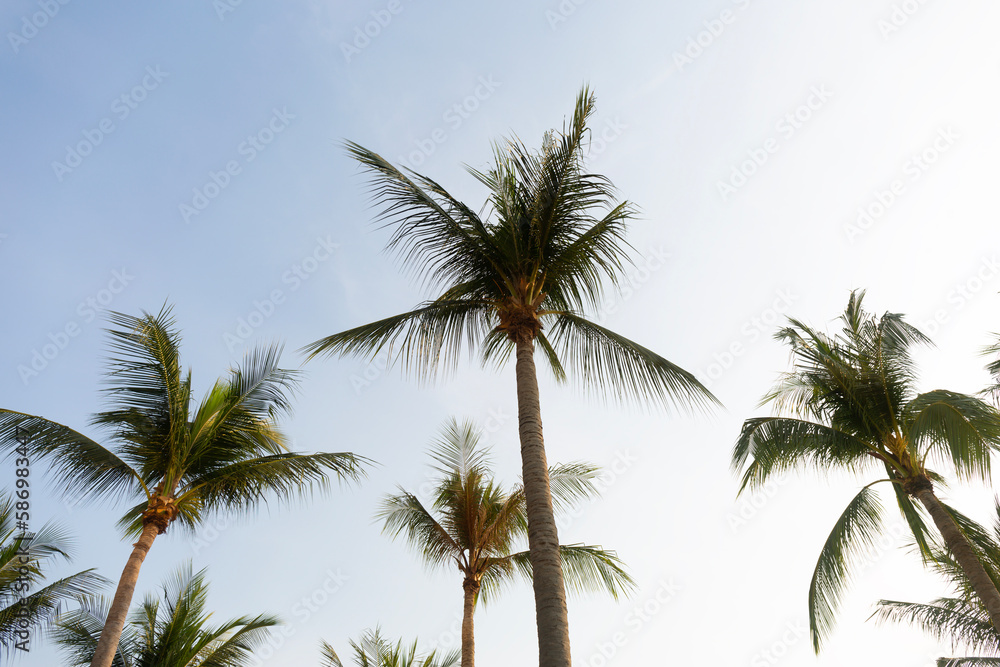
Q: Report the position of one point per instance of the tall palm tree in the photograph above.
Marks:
(183, 462)
(963, 619)
(509, 281)
(168, 632)
(23, 558)
(374, 650)
(853, 406)
(475, 524)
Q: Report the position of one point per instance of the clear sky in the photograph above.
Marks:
(781, 153)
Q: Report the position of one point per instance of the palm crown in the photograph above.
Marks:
(554, 240)
(181, 460)
(854, 405)
(475, 524)
(171, 630)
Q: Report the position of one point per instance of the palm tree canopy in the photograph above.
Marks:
(166, 631)
(374, 650)
(23, 557)
(962, 620)
(180, 459)
(475, 523)
(851, 404)
(552, 238)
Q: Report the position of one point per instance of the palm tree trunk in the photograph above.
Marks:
(960, 548)
(543, 541)
(107, 645)
(471, 588)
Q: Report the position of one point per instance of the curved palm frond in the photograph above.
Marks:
(615, 364)
(374, 650)
(587, 569)
(960, 429)
(855, 531)
(774, 445)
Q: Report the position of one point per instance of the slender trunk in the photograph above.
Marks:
(543, 541)
(960, 548)
(107, 645)
(471, 588)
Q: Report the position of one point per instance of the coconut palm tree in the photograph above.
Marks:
(514, 280)
(181, 461)
(171, 631)
(374, 650)
(23, 558)
(475, 524)
(853, 406)
(961, 620)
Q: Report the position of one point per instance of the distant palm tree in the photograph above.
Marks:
(961, 620)
(183, 462)
(854, 407)
(475, 524)
(373, 650)
(168, 632)
(23, 557)
(508, 284)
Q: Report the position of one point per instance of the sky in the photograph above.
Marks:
(781, 154)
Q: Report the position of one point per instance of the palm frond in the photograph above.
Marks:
(780, 444)
(81, 467)
(615, 365)
(427, 337)
(960, 429)
(854, 532)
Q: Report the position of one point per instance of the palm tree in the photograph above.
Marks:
(182, 462)
(474, 523)
(374, 650)
(23, 557)
(963, 619)
(508, 282)
(854, 407)
(172, 632)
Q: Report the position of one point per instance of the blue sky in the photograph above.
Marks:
(781, 154)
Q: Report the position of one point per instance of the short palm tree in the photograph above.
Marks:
(508, 282)
(167, 631)
(182, 462)
(475, 524)
(961, 620)
(23, 557)
(374, 650)
(853, 406)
